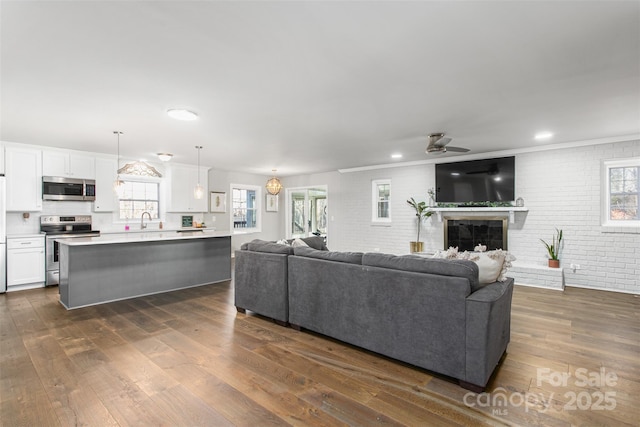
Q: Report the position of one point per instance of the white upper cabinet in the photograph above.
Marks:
(183, 181)
(23, 173)
(105, 176)
(68, 164)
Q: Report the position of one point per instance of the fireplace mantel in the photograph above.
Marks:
(510, 211)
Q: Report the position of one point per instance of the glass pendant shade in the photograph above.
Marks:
(198, 191)
(118, 184)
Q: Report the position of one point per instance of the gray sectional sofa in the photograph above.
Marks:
(431, 313)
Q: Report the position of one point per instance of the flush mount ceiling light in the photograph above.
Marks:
(396, 156)
(165, 157)
(181, 114)
(273, 185)
(541, 136)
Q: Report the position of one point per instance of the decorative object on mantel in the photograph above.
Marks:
(519, 202)
(274, 186)
(422, 212)
(432, 197)
(139, 168)
(118, 184)
(553, 249)
(198, 191)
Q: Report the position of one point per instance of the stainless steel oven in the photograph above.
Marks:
(61, 227)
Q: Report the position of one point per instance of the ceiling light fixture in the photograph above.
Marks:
(118, 184)
(181, 114)
(165, 157)
(274, 186)
(198, 191)
(542, 136)
(396, 156)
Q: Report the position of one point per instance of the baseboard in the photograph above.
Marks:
(600, 288)
(528, 285)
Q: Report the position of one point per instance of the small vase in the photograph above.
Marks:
(416, 247)
(554, 263)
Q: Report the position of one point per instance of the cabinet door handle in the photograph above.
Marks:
(25, 243)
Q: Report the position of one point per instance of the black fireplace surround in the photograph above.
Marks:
(469, 232)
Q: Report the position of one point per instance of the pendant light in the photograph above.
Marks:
(118, 184)
(198, 191)
(274, 185)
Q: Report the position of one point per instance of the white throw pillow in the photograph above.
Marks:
(297, 243)
(493, 265)
(283, 242)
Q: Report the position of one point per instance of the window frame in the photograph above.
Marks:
(375, 185)
(607, 165)
(258, 209)
(145, 180)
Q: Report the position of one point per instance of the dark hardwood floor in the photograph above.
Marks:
(188, 359)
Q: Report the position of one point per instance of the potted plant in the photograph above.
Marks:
(553, 249)
(422, 212)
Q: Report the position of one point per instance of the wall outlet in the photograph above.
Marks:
(574, 267)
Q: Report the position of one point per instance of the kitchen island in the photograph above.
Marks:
(96, 270)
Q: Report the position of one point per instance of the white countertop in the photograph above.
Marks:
(24, 235)
(132, 237)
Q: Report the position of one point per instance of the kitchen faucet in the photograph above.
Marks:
(142, 224)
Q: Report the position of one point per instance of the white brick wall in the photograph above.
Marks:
(560, 187)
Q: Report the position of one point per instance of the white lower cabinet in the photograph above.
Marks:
(25, 262)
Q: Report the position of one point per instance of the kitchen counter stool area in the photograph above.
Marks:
(92, 272)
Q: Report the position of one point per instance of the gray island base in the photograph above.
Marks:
(94, 271)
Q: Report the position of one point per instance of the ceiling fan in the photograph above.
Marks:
(437, 143)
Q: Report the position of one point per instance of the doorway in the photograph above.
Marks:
(307, 211)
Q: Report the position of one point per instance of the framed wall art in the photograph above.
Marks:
(218, 202)
(272, 203)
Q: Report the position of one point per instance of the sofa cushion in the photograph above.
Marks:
(419, 264)
(270, 247)
(348, 257)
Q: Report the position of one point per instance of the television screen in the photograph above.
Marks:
(476, 181)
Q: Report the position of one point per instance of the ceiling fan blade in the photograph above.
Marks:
(458, 149)
(442, 142)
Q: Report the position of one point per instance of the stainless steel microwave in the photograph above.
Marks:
(61, 188)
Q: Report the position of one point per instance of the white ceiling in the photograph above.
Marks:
(316, 86)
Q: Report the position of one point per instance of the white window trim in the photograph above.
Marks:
(258, 227)
(161, 200)
(606, 199)
(374, 201)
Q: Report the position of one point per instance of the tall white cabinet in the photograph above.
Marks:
(23, 171)
(105, 170)
(183, 181)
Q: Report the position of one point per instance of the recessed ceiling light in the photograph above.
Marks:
(455, 173)
(165, 157)
(180, 114)
(543, 135)
(396, 156)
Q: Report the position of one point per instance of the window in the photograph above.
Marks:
(622, 192)
(381, 200)
(138, 197)
(245, 201)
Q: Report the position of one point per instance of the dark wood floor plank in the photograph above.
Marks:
(188, 358)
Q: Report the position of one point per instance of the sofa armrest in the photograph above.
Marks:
(488, 322)
(261, 283)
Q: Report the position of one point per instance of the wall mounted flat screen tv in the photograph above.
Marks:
(476, 181)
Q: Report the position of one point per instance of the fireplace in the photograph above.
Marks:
(468, 232)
